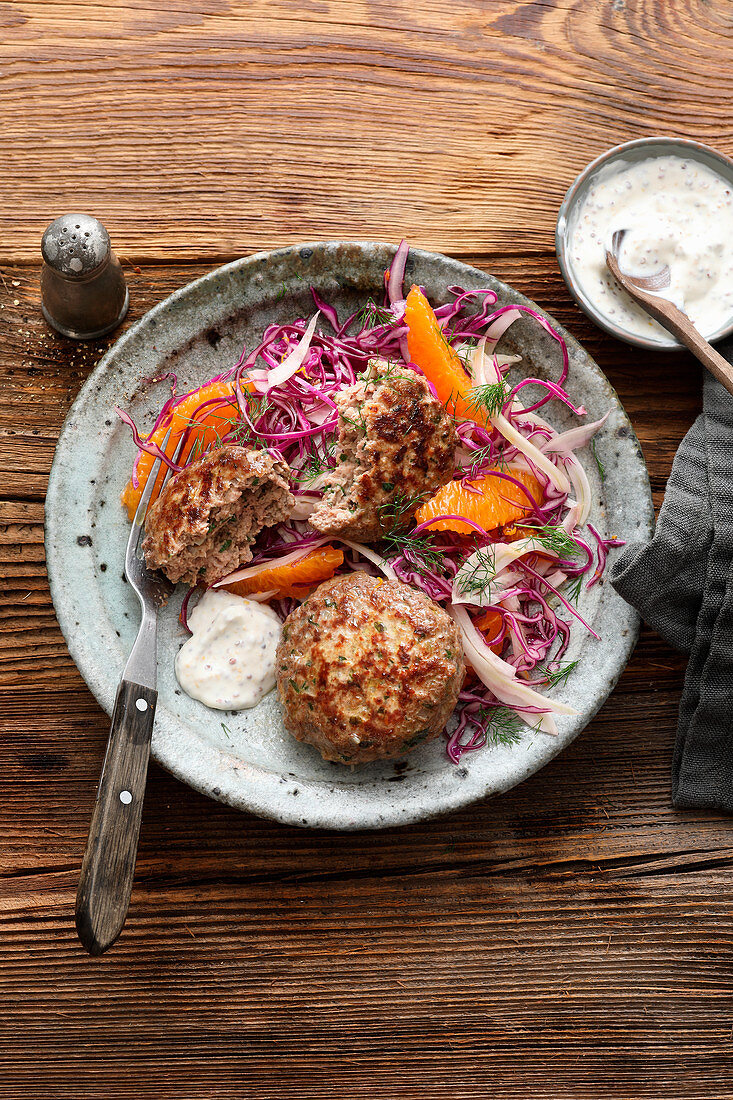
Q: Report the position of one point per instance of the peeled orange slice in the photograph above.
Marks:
(495, 503)
(296, 579)
(490, 624)
(439, 362)
(211, 424)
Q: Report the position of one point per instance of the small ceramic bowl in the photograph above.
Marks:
(631, 152)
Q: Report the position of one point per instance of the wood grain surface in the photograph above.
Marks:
(572, 939)
(465, 119)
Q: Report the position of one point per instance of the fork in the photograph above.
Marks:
(639, 287)
(105, 882)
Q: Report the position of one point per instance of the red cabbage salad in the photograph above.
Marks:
(511, 589)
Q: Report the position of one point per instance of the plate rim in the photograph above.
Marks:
(251, 804)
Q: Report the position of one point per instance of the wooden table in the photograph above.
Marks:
(571, 939)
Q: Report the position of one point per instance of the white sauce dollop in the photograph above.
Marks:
(228, 663)
(677, 212)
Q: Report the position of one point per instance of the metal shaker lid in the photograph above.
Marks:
(75, 245)
(83, 289)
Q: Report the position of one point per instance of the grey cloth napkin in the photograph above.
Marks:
(682, 584)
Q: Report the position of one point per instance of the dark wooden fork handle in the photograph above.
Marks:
(105, 883)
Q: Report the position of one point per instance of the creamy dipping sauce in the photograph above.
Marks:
(677, 212)
(228, 663)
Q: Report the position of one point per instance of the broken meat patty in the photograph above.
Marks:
(396, 446)
(204, 522)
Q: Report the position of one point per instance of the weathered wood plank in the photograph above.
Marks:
(196, 133)
(566, 892)
(569, 940)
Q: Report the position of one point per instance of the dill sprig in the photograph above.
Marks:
(192, 422)
(380, 370)
(559, 675)
(418, 551)
(465, 350)
(490, 398)
(196, 449)
(394, 516)
(453, 402)
(243, 436)
(371, 315)
(571, 591)
(319, 459)
(553, 537)
(479, 578)
(357, 422)
(197, 427)
(482, 458)
(599, 464)
(285, 290)
(502, 726)
(396, 512)
(235, 430)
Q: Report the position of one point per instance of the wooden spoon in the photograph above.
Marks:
(667, 313)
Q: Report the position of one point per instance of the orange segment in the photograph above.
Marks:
(512, 533)
(211, 424)
(490, 624)
(439, 362)
(296, 579)
(496, 503)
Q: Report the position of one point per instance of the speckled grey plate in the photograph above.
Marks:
(247, 759)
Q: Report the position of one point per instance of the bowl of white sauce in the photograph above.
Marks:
(675, 199)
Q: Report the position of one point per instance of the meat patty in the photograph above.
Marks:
(396, 445)
(367, 669)
(204, 522)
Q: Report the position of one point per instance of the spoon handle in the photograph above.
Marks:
(678, 323)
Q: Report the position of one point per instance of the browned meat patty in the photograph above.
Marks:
(367, 669)
(204, 522)
(396, 444)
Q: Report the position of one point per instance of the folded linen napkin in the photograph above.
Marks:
(682, 584)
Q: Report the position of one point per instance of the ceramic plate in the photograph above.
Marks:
(248, 759)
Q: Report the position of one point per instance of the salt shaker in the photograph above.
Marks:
(83, 290)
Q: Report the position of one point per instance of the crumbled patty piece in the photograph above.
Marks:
(368, 669)
(204, 522)
(396, 445)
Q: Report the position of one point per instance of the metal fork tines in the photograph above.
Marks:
(151, 587)
(105, 882)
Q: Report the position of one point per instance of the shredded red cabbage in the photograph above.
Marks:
(296, 419)
(183, 615)
(604, 545)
